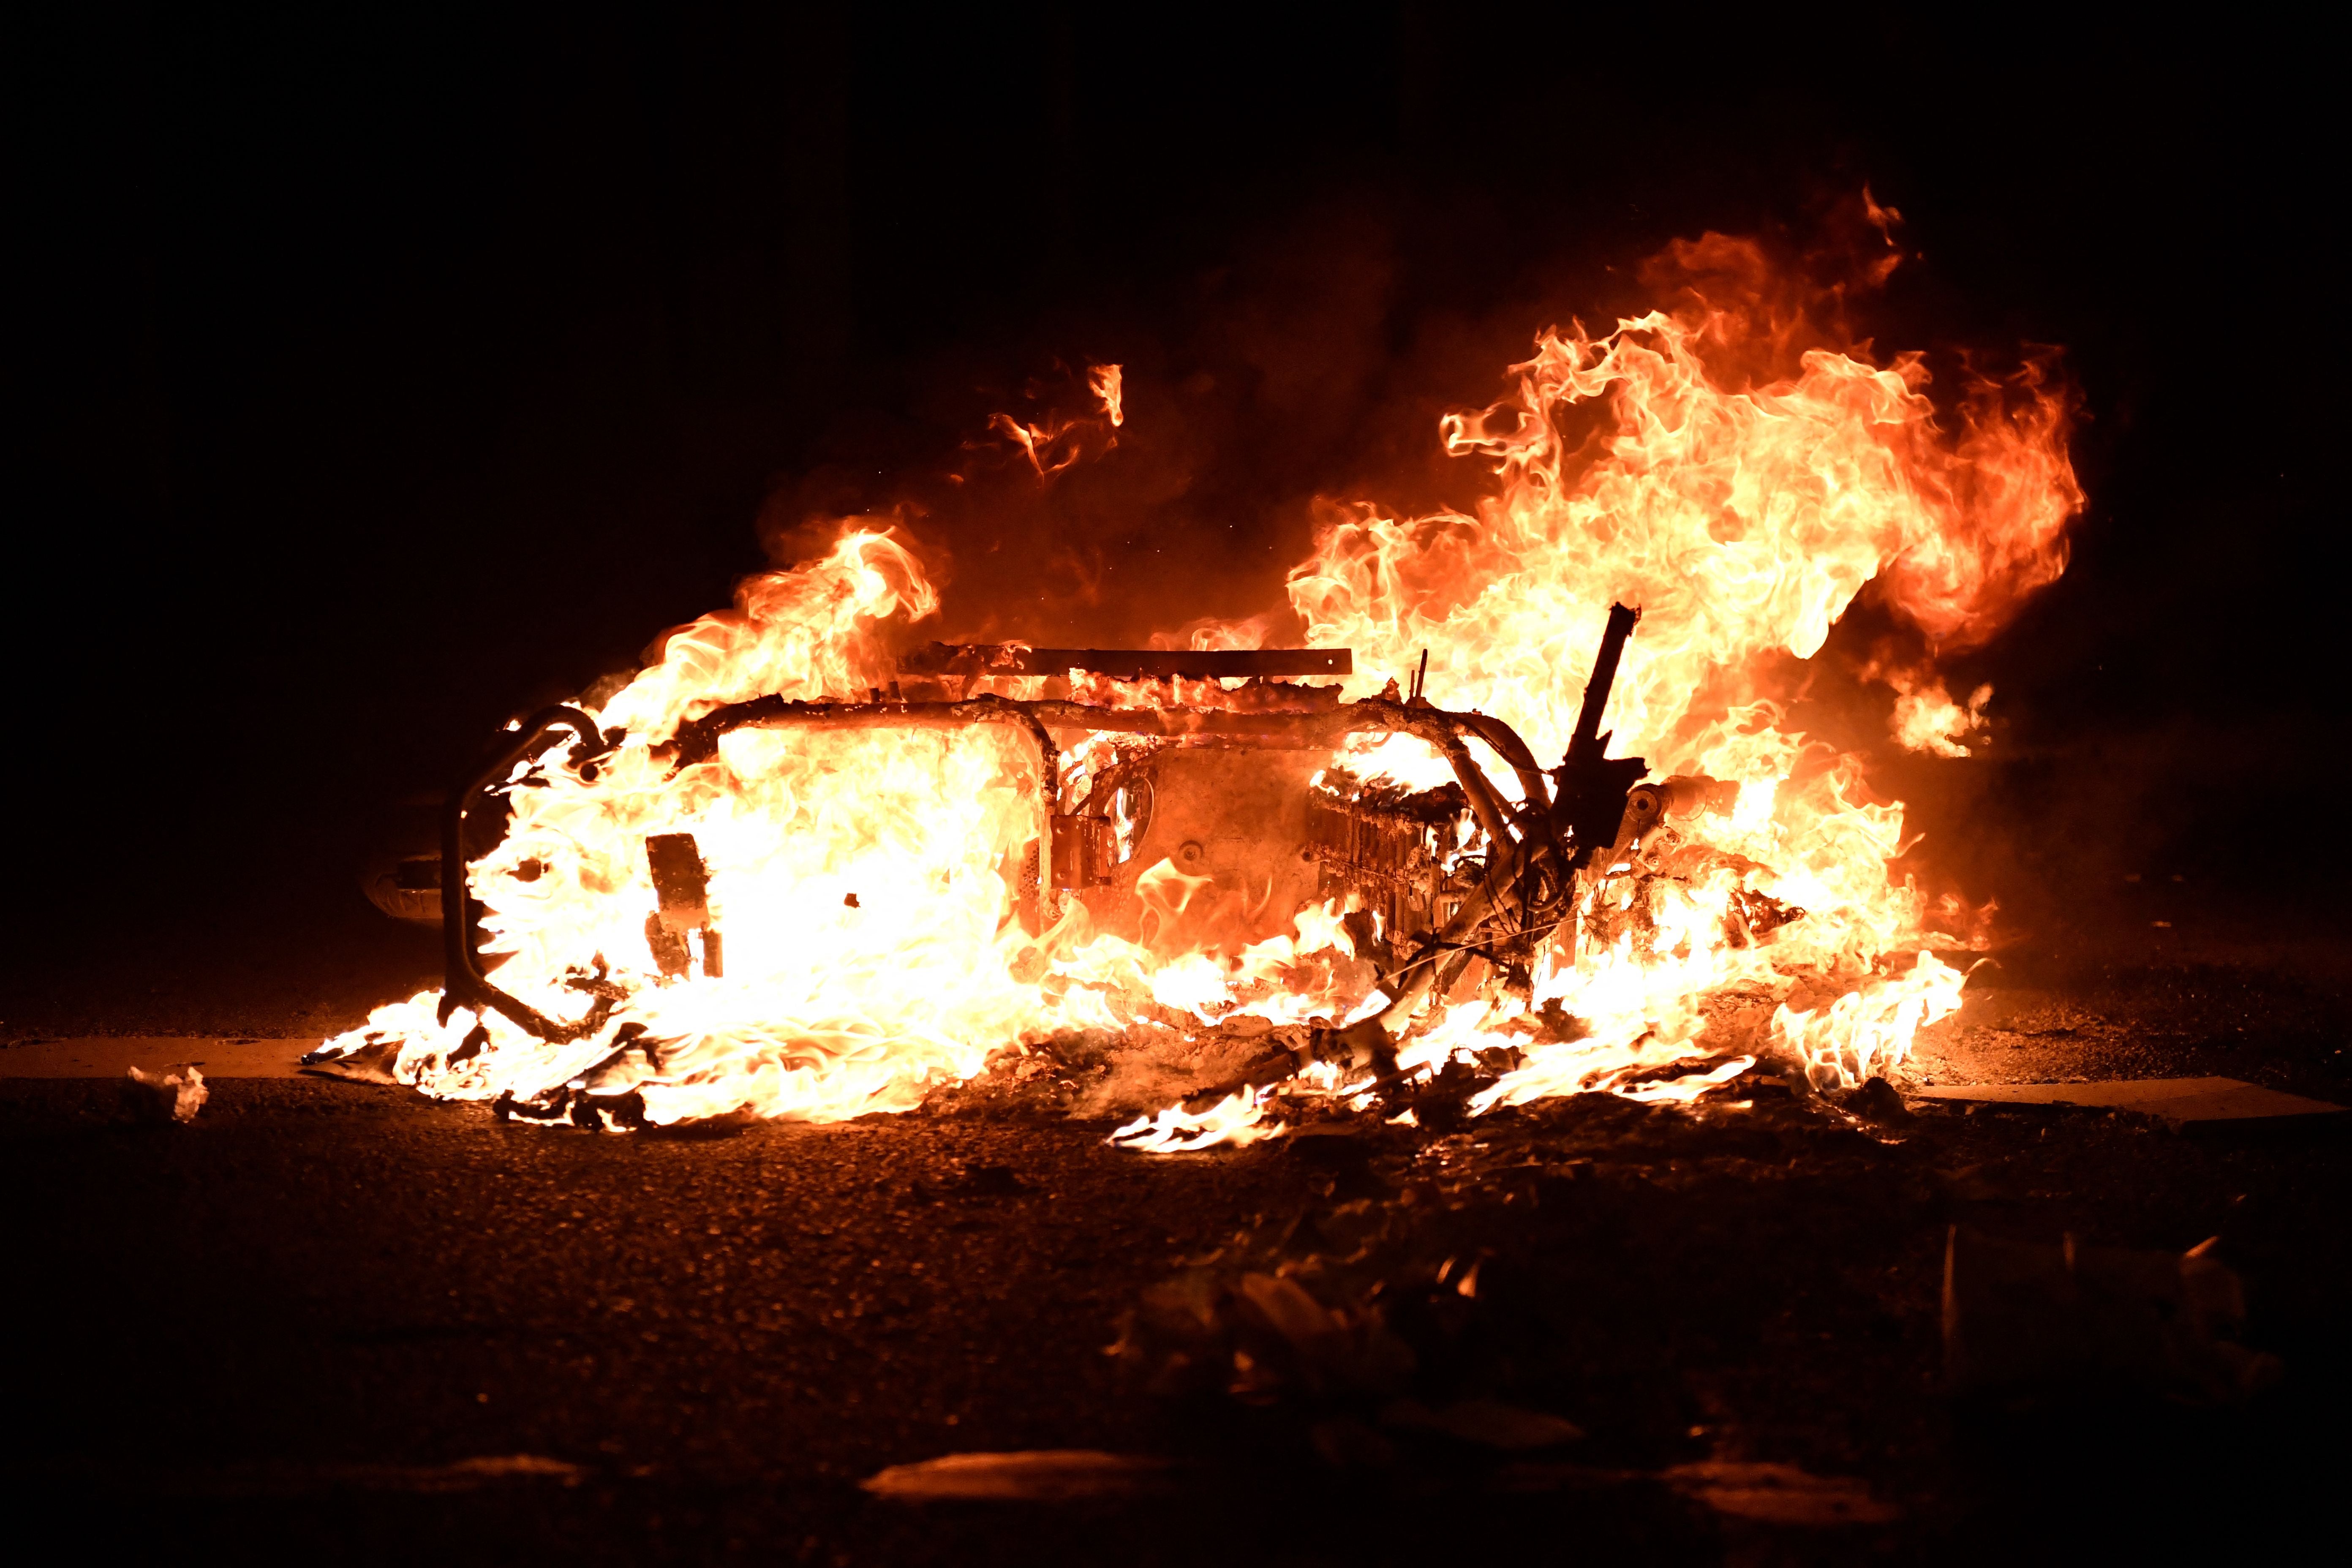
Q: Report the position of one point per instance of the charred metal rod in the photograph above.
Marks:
(1604, 676)
(1299, 731)
(1474, 786)
(1590, 805)
(1507, 745)
(1125, 664)
(698, 740)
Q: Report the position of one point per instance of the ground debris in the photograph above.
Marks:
(1875, 1101)
(372, 1063)
(1780, 1494)
(1102, 1074)
(1751, 1492)
(1455, 1303)
(2181, 1103)
(1045, 1475)
(2026, 1319)
(277, 1480)
(973, 1184)
(175, 1093)
(1488, 1423)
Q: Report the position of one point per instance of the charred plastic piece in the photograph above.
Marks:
(682, 886)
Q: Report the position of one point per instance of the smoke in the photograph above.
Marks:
(1259, 384)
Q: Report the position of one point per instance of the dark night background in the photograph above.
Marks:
(381, 373)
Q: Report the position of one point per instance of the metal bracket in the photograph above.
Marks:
(464, 981)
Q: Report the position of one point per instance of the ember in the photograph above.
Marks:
(800, 868)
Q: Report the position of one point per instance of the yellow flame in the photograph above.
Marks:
(872, 885)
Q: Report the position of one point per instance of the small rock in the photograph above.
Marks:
(1877, 1101)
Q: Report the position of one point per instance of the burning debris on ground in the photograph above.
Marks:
(175, 1093)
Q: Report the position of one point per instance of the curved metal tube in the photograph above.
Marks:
(1507, 745)
(463, 981)
(1475, 786)
(699, 742)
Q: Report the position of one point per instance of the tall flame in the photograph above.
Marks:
(1743, 521)
(863, 880)
(1741, 524)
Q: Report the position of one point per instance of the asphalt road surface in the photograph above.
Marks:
(343, 1322)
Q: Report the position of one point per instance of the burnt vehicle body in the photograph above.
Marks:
(1218, 764)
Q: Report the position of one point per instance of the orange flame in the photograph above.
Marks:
(1104, 382)
(868, 882)
(1742, 523)
(1054, 444)
(1925, 718)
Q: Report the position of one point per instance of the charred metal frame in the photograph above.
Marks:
(1536, 846)
(464, 981)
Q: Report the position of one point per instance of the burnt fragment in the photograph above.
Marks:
(627, 1110)
(372, 1063)
(597, 982)
(681, 881)
(1875, 1101)
(682, 889)
(1441, 1105)
(667, 947)
(549, 1105)
(974, 1184)
(477, 1040)
(1360, 1046)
